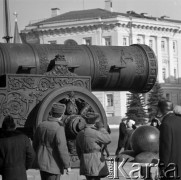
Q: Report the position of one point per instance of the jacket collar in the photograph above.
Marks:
(6, 134)
(50, 118)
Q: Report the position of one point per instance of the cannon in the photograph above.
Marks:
(34, 76)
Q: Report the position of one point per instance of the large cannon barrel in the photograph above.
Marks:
(111, 68)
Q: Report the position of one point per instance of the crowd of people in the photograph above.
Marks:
(126, 128)
(49, 153)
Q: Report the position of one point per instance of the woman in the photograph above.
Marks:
(89, 144)
(155, 123)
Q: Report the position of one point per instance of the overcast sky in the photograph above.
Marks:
(39, 9)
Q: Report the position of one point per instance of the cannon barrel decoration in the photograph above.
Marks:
(34, 76)
(112, 68)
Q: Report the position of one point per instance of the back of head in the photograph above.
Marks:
(165, 106)
(177, 110)
(92, 117)
(58, 110)
(8, 123)
(130, 123)
(124, 120)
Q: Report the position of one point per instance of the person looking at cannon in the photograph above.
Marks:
(123, 136)
(16, 152)
(130, 129)
(50, 145)
(99, 125)
(89, 143)
(170, 142)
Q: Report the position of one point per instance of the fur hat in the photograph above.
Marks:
(58, 108)
(91, 117)
(177, 110)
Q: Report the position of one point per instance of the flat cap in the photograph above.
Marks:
(58, 108)
(91, 117)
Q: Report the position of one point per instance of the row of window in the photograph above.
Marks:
(125, 42)
(164, 73)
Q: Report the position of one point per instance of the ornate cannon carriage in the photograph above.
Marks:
(32, 77)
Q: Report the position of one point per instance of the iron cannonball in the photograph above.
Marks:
(145, 139)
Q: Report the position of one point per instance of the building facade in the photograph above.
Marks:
(107, 28)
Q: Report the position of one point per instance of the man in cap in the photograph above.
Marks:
(170, 142)
(50, 145)
(89, 144)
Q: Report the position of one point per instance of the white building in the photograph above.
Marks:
(105, 27)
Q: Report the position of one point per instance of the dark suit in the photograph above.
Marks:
(170, 143)
(123, 136)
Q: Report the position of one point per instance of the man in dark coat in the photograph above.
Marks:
(123, 136)
(170, 141)
(50, 145)
(16, 152)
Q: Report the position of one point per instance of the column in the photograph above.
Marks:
(179, 59)
(134, 38)
(117, 37)
(159, 59)
(99, 36)
(171, 59)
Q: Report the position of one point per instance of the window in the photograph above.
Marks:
(110, 114)
(168, 96)
(109, 100)
(52, 42)
(174, 47)
(175, 74)
(163, 45)
(151, 43)
(107, 41)
(139, 40)
(124, 41)
(88, 41)
(164, 73)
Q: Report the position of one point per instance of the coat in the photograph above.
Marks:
(123, 137)
(16, 155)
(88, 144)
(170, 142)
(51, 147)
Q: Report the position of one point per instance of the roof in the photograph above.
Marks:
(95, 13)
(79, 15)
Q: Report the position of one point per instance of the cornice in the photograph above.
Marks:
(104, 25)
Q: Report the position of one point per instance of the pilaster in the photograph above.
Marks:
(171, 59)
(159, 58)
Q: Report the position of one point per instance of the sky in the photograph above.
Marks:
(30, 10)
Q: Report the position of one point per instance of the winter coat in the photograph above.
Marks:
(51, 147)
(123, 137)
(170, 142)
(16, 155)
(88, 143)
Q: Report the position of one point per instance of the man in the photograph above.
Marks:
(16, 152)
(130, 129)
(89, 143)
(170, 141)
(50, 145)
(123, 136)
